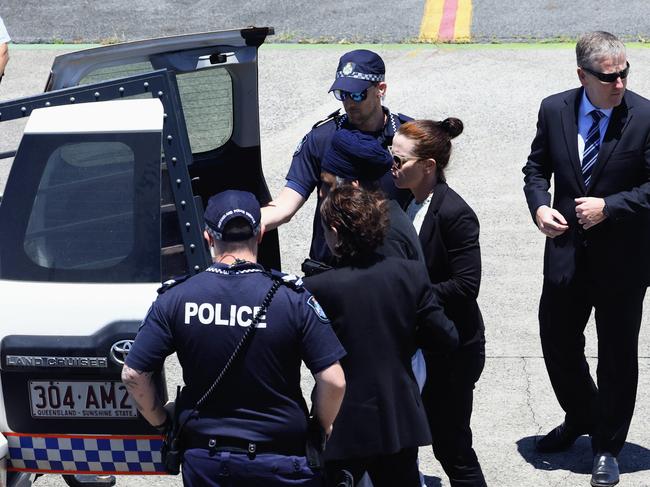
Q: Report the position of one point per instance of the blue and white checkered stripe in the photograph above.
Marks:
(79, 454)
(375, 78)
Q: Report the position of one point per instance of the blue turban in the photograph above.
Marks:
(355, 155)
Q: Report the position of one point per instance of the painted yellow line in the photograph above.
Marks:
(446, 20)
(462, 29)
(431, 20)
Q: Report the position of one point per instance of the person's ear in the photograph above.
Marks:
(260, 234)
(429, 165)
(207, 238)
(354, 183)
(381, 88)
(582, 76)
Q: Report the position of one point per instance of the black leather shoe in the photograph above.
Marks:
(605, 471)
(559, 439)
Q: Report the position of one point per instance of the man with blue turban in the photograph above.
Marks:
(359, 159)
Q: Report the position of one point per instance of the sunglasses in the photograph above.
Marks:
(399, 160)
(609, 77)
(356, 97)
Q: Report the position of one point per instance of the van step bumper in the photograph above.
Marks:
(85, 454)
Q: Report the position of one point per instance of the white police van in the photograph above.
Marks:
(102, 203)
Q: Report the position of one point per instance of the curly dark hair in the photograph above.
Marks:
(360, 218)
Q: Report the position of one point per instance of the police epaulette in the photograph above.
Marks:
(403, 118)
(289, 280)
(327, 119)
(167, 285)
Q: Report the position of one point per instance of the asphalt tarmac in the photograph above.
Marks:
(496, 91)
(307, 21)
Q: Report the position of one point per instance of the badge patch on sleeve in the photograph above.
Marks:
(299, 146)
(313, 304)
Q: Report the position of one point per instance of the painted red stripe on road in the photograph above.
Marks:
(448, 21)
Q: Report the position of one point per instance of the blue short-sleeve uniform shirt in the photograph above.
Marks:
(304, 173)
(203, 319)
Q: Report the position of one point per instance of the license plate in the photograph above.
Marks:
(80, 399)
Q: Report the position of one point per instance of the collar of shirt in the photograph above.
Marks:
(390, 126)
(418, 211)
(585, 121)
(242, 267)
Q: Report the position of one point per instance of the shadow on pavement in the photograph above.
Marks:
(432, 481)
(578, 459)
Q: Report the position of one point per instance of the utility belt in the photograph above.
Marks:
(239, 445)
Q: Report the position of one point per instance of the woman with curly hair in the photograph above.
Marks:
(449, 233)
(382, 309)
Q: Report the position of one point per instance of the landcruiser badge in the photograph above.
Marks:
(76, 362)
(120, 350)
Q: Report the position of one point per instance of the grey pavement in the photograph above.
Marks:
(496, 92)
(310, 21)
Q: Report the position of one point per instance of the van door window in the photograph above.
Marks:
(83, 208)
(82, 217)
(115, 72)
(206, 97)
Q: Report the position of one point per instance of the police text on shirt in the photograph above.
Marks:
(213, 314)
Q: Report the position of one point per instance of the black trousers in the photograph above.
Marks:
(397, 469)
(604, 410)
(448, 396)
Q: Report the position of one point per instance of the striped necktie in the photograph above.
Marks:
(592, 145)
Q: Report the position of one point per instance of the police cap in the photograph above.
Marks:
(358, 70)
(355, 155)
(229, 205)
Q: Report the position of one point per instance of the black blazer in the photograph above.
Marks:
(381, 310)
(401, 239)
(617, 249)
(450, 242)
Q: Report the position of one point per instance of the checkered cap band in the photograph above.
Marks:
(83, 454)
(375, 78)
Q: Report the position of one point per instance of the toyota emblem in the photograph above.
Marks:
(120, 350)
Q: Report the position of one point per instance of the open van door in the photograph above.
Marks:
(103, 202)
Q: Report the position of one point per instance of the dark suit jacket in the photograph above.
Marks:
(617, 249)
(381, 310)
(449, 238)
(401, 238)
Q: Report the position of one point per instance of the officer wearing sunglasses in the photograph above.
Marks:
(360, 86)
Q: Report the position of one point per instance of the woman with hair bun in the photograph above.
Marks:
(449, 233)
(382, 309)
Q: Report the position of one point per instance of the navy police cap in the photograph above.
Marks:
(228, 205)
(358, 70)
(355, 155)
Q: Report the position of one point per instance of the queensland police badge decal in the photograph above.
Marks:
(299, 146)
(313, 304)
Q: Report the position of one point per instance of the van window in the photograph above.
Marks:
(83, 208)
(82, 217)
(115, 72)
(206, 96)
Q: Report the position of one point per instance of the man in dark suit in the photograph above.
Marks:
(595, 142)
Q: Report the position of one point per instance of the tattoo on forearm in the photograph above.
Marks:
(140, 385)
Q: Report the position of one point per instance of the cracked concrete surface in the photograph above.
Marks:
(496, 92)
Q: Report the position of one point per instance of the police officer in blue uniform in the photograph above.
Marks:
(360, 85)
(252, 430)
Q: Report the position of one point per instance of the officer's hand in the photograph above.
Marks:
(550, 221)
(589, 211)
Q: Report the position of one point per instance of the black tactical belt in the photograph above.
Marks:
(237, 445)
